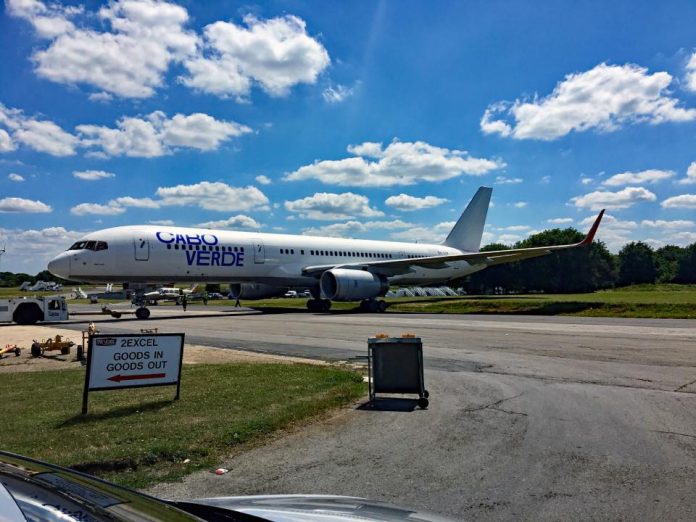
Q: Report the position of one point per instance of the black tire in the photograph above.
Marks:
(27, 314)
(423, 403)
(80, 352)
(426, 394)
(325, 305)
(142, 313)
(116, 315)
(36, 350)
(65, 350)
(17, 352)
(382, 306)
(364, 305)
(311, 306)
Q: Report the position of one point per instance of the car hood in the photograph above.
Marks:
(315, 508)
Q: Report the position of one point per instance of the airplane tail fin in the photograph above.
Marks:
(467, 232)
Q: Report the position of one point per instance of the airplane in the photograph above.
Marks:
(258, 265)
(168, 293)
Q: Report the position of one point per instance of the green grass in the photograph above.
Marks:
(141, 436)
(650, 301)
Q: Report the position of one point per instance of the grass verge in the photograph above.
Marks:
(650, 301)
(141, 436)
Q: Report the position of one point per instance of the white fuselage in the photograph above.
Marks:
(155, 254)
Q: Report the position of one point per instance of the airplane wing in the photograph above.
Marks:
(395, 267)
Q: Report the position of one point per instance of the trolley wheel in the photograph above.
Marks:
(116, 315)
(65, 350)
(36, 350)
(423, 403)
(142, 313)
(426, 394)
(80, 352)
(17, 352)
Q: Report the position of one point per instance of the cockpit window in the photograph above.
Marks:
(90, 245)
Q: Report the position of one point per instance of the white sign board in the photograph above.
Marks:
(133, 361)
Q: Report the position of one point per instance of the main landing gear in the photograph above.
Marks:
(142, 313)
(373, 306)
(319, 305)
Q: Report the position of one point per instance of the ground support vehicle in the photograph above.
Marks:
(31, 310)
(10, 348)
(40, 348)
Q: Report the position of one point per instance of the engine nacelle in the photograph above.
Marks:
(254, 291)
(344, 284)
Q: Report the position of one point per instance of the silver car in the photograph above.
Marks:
(31, 490)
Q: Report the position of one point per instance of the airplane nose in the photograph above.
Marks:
(60, 266)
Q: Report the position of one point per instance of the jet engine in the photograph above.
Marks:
(254, 291)
(344, 284)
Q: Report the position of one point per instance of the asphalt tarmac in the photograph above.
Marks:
(535, 418)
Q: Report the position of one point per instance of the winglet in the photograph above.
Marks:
(591, 234)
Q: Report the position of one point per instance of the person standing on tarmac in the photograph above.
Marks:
(184, 302)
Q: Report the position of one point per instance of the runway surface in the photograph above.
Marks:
(541, 418)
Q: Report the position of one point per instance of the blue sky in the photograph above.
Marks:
(358, 119)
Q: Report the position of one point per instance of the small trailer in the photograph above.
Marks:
(31, 310)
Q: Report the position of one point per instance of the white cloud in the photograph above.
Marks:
(613, 200)
(49, 21)
(156, 135)
(585, 180)
(276, 54)
(199, 131)
(354, 228)
(23, 206)
(84, 209)
(514, 228)
(129, 60)
(502, 180)
(559, 221)
(6, 144)
(612, 231)
(337, 94)
(681, 201)
(690, 178)
(691, 73)
(15, 177)
(603, 98)
(128, 201)
(668, 225)
(46, 136)
(325, 206)
(163, 222)
(407, 203)
(519, 204)
(400, 163)
(423, 234)
(263, 180)
(214, 196)
(92, 175)
(645, 176)
(238, 221)
(37, 247)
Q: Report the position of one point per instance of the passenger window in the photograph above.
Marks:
(241, 249)
(169, 246)
(176, 247)
(301, 252)
(292, 251)
(235, 249)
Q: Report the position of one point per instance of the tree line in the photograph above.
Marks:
(584, 269)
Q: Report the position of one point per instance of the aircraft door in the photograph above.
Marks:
(142, 249)
(259, 253)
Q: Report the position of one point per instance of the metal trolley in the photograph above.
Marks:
(395, 365)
